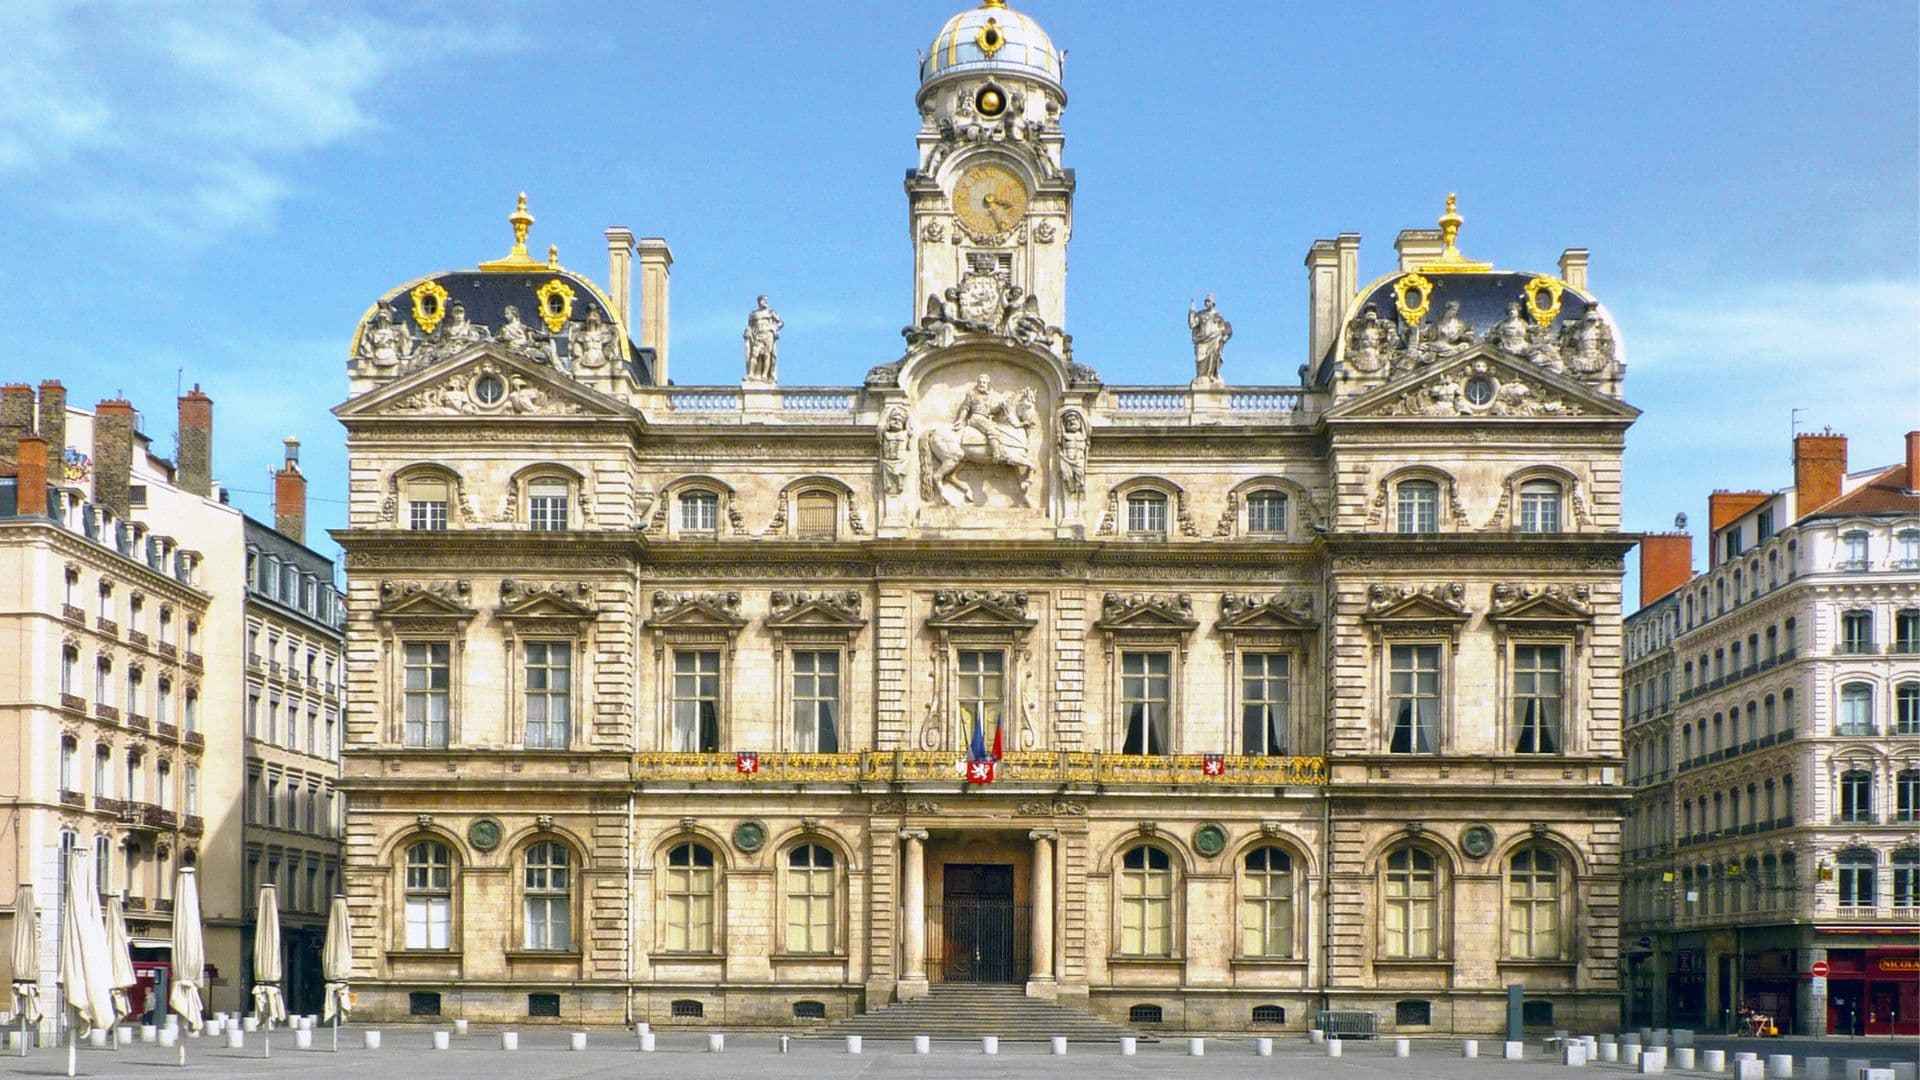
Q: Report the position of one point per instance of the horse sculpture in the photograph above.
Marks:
(944, 449)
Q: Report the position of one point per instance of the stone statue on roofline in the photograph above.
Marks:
(1211, 331)
(762, 338)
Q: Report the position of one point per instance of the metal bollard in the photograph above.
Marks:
(1402, 1047)
(1058, 1045)
(990, 1044)
(509, 1040)
(442, 1040)
(922, 1044)
(1470, 1048)
(853, 1044)
(1333, 1047)
(1263, 1047)
(716, 1043)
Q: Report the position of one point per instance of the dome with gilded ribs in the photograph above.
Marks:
(992, 38)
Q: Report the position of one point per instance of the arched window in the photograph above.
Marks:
(549, 897)
(688, 893)
(1686, 742)
(1533, 905)
(1856, 710)
(1417, 506)
(547, 504)
(810, 894)
(1906, 709)
(1266, 513)
(816, 515)
(429, 895)
(427, 498)
(1906, 878)
(1768, 712)
(1540, 506)
(1856, 796)
(1146, 902)
(1266, 903)
(1857, 869)
(699, 512)
(1147, 513)
(1411, 900)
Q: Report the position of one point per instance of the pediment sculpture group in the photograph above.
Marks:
(1583, 348)
(389, 345)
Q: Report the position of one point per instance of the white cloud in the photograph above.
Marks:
(187, 120)
(1859, 328)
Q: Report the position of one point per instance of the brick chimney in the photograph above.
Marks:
(1724, 506)
(16, 420)
(1819, 468)
(290, 496)
(53, 428)
(1913, 461)
(193, 472)
(113, 455)
(1666, 563)
(31, 477)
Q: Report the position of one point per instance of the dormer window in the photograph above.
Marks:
(1853, 548)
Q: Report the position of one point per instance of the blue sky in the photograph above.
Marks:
(216, 192)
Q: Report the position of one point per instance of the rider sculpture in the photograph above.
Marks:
(987, 429)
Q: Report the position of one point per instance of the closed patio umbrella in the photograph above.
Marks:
(86, 970)
(336, 964)
(189, 954)
(268, 1004)
(26, 962)
(120, 950)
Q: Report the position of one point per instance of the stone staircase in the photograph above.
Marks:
(970, 1010)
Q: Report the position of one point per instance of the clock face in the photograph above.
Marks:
(989, 200)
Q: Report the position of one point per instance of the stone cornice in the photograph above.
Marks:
(73, 545)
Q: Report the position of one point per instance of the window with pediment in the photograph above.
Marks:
(982, 661)
(1415, 630)
(1268, 638)
(694, 642)
(1146, 637)
(814, 639)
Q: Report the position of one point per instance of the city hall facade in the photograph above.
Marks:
(1196, 706)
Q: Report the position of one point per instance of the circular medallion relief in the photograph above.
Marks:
(1210, 839)
(748, 836)
(1480, 390)
(484, 834)
(1477, 841)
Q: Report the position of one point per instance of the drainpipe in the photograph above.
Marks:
(628, 854)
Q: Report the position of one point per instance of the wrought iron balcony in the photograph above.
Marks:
(1060, 767)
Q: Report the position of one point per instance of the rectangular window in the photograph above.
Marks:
(252, 809)
(1413, 698)
(696, 701)
(1906, 631)
(699, 512)
(1147, 513)
(983, 681)
(815, 514)
(1856, 632)
(549, 671)
(1856, 797)
(429, 922)
(428, 696)
(816, 701)
(547, 505)
(1538, 698)
(273, 801)
(1264, 694)
(427, 505)
(1417, 506)
(1540, 506)
(1146, 684)
(1765, 525)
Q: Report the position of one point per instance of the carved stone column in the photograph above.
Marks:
(913, 966)
(1040, 936)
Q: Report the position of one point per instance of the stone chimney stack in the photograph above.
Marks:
(1666, 563)
(30, 477)
(656, 265)
(1324, 302)
(16, 419)
(1819, 470)
(290, 496)
(53, 428)
(620, 271)
(1417, 247)
(113, 455)
(194, 471)
(1573, 268)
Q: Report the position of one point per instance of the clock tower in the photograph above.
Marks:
(987, 196)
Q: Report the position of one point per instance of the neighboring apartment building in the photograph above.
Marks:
(293, 687)
(1776, 819)
(666, 699)
(122, 626)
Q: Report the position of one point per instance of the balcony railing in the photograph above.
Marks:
(107, 626)
(1019, 767)
(1855, 648)
(166, 731)
(194, 661)
(167, 650)
(196, 740)
(193, 825)
(73, 614)
(73, 702)
(106, 712)
(137, 638)
(1857, 817)
(72, 798)
(138, 722)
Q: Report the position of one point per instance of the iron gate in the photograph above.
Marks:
(979, 925)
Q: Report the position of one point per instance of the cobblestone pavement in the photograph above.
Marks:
(544, 1055)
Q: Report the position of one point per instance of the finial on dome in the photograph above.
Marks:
(517, 258)
(993, 3)
(1451, 260)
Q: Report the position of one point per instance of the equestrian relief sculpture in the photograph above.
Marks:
(989, 429)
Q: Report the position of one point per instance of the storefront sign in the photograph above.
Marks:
(1898, 965)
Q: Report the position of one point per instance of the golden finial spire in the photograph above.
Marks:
(516, 259)
(993, 3)
(553, 256)
(1450, 260)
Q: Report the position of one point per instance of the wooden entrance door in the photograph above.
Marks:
(977, 915)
